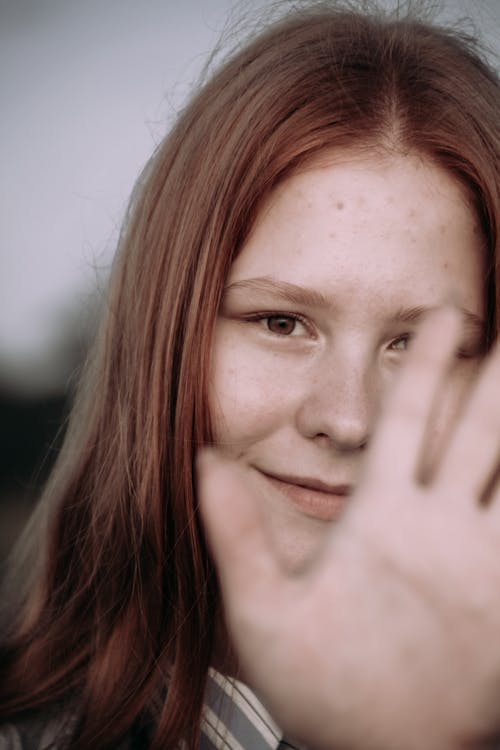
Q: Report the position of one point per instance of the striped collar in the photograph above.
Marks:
(234, 719)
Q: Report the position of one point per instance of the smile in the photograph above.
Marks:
(311, 497)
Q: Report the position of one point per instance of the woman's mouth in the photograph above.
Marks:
(312, 497)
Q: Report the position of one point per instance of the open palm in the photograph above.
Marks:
(391, 639)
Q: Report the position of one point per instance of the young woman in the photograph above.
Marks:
(336, 181)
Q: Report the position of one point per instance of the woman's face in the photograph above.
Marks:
(344, 260)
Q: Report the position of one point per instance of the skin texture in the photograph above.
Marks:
(371, 244)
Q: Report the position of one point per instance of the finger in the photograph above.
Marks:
(229, 506)
(472, 457)
(399, 439)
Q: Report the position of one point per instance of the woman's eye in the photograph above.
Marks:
(284, 325)
(400, 344)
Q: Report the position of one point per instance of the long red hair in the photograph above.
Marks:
(124, 601)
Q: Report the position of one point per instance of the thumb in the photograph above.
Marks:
(230, 510)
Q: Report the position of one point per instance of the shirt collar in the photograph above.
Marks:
(234, 718)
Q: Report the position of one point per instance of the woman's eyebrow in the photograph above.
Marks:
(292, 293)
(302, 295)
(414, 314)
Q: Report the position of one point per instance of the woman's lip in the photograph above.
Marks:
(311, 484)
(311, 496)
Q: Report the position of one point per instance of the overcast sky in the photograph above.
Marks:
(87, 89)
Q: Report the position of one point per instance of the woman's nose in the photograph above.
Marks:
(338, 406)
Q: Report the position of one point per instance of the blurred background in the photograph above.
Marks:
(87, 90)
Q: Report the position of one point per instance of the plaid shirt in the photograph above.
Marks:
(234, 719)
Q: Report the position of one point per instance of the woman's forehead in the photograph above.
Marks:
(363, 223)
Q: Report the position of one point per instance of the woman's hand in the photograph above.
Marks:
(391, 639)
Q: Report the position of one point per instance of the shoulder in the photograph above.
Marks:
(39, 730)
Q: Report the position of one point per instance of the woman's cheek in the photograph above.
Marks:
(248, 392)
